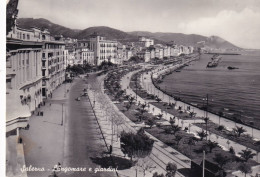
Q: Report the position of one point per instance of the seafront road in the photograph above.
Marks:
(75, 141)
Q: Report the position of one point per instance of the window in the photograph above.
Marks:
(43, 55)
(28, 36)
(23, 36)
(8, 83)
(43, 72)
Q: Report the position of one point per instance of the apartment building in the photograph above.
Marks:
(53, 71)
(84, 56)
(104, 50)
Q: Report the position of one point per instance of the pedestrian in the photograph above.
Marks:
(110, 149)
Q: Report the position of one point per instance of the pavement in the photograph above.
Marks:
(67, 133)
(43, 142)
(161, 153)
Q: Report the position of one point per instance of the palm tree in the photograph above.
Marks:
(247, 154)
(202, 134)
(239, 130)
(211, 145)
(175, 129)
(131, 100)
(245, 168)
(172, 121)
(221, 159)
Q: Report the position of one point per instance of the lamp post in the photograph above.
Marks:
(61, 114)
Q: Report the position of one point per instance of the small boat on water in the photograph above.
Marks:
(214, 61)
(232, 67)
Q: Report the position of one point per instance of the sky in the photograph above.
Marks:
(237, 21)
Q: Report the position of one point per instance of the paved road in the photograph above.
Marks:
(83, 141)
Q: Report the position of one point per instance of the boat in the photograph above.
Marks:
(214, 61)
(231, 67)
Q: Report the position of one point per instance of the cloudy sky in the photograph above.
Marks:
(237, 21)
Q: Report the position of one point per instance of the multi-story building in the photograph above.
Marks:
(23, 75)
(53, 71)
(84, 56)
(145, 54)
(147, 42)
(104, 50)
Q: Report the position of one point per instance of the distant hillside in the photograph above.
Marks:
(43, 23)
(188, 39)
(109, 33)
(121, 36)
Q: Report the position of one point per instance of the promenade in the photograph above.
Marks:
(161, 153)
(229, 124)
(184, 123)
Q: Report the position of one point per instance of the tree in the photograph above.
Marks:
(191, 142)
(131, 100)
(128, 106)
(246, 154)
(202, 134)
(171, 169)
(143, 106)
(160, 116)
(175, 129)
(145, 165)
(172, 121)
(151, 122)
(178, 139)
(239, 130)
(138, 145)
(245, 168)
(211, 145)
(220, 159)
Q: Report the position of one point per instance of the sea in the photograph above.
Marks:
(236, 92)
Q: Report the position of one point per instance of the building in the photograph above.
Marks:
(23, 75)
(53, 71)
(147, 42)
(84, 56)
(104, 50)
(145, 54)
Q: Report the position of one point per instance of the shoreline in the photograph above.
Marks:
(161, 77)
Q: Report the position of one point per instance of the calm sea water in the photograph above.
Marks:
(234, 92)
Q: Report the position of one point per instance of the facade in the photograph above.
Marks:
(84, 56)
(23, 75)
(53, 71)
(104, 50)
(147, 42)
(146, 55)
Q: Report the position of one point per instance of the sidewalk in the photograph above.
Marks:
(43, 142)
(161, 154)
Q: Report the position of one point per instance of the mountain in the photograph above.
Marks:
(43, 23)
(121, 36)
(188, 39)
(109, 33)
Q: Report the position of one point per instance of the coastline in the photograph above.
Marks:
(160, 76)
